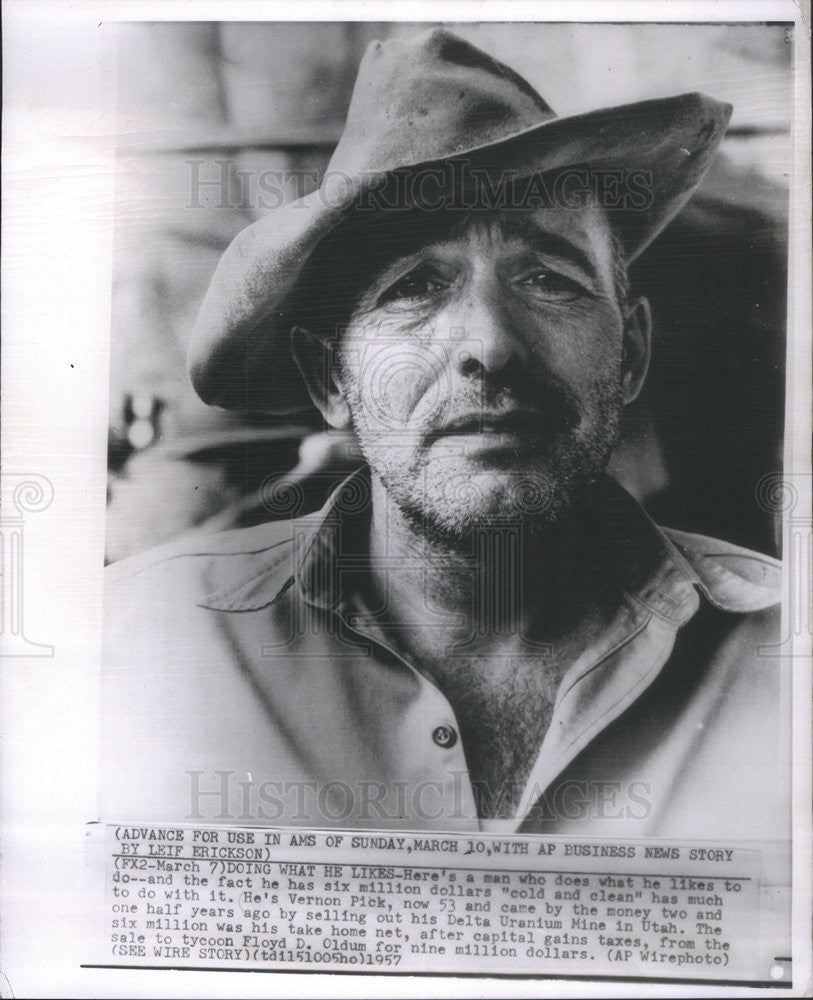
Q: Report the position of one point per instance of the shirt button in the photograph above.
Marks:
(444, 736)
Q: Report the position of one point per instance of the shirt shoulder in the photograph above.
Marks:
(251, 565)
(733, 578)
(193, 546)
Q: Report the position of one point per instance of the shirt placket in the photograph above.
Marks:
(433, 782)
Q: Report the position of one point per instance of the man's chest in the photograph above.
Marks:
(503, 705)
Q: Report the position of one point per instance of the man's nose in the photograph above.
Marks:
(484, 337)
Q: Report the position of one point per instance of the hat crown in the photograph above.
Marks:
(430, 97)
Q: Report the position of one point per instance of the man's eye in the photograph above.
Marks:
(552, 284)
(418, 285)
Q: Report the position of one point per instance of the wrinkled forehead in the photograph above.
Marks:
(582, 232)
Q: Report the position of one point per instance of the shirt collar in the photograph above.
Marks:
(324, 547)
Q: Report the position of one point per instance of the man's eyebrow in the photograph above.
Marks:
(546, 242)
(382, 270)
(539, 240)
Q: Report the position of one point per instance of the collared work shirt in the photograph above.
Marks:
(241, 684)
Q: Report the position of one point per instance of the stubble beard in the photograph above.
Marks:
(448, 498)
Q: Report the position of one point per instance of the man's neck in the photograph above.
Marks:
(503, 587)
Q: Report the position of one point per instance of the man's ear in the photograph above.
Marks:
(637, 347)
(314, 358)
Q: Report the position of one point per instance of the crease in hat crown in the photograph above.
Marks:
(419, 101)
(428, 98)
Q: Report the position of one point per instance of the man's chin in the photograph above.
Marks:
(454, 505)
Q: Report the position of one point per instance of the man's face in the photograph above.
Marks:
(482, 366)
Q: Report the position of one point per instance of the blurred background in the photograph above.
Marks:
(219, 122)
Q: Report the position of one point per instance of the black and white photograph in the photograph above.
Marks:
(447, 512)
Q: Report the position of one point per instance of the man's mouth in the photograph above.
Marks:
(491, 431)
(509, 422)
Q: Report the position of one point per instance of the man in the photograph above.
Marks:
(480, 630)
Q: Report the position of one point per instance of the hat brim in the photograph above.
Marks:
(239, 356)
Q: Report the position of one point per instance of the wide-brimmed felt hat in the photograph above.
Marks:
(428, 116)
